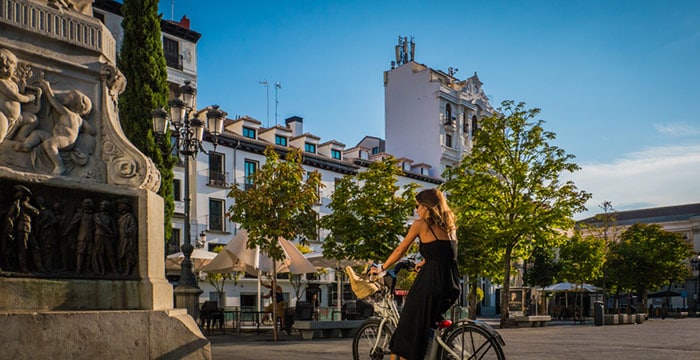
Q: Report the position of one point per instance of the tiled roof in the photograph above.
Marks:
(651, 215)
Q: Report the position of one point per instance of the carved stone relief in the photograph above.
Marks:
(47, 233)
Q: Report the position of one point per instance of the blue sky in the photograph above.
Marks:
(617, 81)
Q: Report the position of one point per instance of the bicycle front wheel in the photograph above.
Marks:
(471, 342)
(371, 342)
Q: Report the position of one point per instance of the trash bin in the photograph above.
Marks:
(598, 313)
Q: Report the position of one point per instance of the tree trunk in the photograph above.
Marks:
(473, 299)
(505, 294)
(273, 283)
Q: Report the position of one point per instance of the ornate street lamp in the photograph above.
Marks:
(189, 132)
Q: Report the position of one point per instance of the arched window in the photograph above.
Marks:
(475, 125)
(448, 114)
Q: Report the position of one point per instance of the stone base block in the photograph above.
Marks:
(138, 334)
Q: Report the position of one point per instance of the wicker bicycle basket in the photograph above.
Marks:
(360, 286)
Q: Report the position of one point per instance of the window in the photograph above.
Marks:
(171, 50)
(217, 176)
(250, 168)
(475, 125)
(448, 114)
(177, 189)
(375, 150)
(336, 154)
(216, 214)
(280, 140)
(448, 140)
(308, 147)
(248, 132)
(364, 155)
(174, 243)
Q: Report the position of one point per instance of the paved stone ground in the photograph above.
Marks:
(655, 339)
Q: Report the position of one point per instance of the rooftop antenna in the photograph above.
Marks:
(267, 88)
(277, 86)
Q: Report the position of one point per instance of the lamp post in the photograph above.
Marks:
(189, 132)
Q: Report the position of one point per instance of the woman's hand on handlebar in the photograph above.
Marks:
(419, 265)
(375, 269)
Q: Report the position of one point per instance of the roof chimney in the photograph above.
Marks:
(185, 22)
(295, 123)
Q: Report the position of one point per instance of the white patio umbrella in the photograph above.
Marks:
(236, 256)
(567, 286)
(199, 257)
(318, 260)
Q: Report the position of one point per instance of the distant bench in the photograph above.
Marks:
(327, 328)
(532, 320)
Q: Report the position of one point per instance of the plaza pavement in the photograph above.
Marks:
(655, 339)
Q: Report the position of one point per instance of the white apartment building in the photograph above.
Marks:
(430, 115)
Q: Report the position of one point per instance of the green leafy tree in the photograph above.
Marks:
(582, 260)
(604, 227)
(369, 213)
(218, 280)
(279, 204)
(510, 184)
(476, 260)
(142, 61)
(649, 257)
(542, 269)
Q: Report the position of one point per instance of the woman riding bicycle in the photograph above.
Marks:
(436, 286)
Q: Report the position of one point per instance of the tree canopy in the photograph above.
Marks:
(142, 61)
(369, 213)
(510, 186)
(648, 257)
(581, 259)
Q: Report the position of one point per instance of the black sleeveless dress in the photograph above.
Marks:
(435, 289)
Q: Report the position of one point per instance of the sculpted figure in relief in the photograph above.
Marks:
(12, 96)
(70, 108)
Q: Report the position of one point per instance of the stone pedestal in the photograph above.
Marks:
(90, 281)
(163, 334)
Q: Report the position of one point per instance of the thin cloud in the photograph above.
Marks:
(677, 129)
(658, 176)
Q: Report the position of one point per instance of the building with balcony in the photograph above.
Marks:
(430, 115)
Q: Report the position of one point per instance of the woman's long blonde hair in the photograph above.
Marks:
(439, 212)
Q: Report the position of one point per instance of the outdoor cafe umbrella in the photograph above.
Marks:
(236, 256)
(318, 260)
(571, 287)
(567, 286)
(200, 258)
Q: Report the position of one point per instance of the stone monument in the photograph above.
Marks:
(81, 228)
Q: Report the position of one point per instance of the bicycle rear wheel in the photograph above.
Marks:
(472, 342)
(371, 344)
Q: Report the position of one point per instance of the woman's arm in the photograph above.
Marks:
(413, 232)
